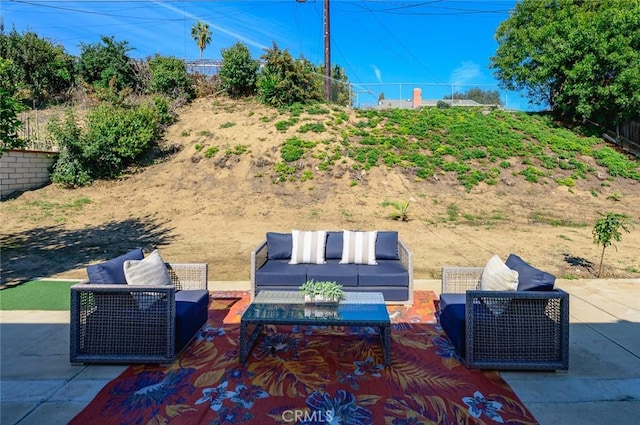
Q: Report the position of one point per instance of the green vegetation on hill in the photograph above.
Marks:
(476, 145)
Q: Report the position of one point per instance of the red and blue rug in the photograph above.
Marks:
(310, 375)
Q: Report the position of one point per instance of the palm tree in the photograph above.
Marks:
(201, 33)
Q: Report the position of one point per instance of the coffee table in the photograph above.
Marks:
(289, 308)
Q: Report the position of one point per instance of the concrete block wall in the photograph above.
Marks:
(24, 170)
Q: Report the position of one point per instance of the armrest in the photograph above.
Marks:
(406, 258)
(189, 275)
(458, 280)
(258, 258)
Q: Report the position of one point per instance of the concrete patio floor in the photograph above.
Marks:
(38, 384)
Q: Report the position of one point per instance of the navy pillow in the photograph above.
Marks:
(387, 246)
(112, 271)
(278, 246)
(334, 246)
(530, 278)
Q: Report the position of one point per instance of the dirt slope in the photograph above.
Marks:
(217, 209)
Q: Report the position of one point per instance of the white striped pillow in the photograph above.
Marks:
(359, 247)
(308, 247)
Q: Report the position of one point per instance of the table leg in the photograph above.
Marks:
(385, 339)
(247, 340)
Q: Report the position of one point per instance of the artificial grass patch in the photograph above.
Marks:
(37, 295)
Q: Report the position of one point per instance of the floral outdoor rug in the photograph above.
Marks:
(310, 375)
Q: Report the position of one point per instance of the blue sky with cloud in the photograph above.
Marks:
(385, 47)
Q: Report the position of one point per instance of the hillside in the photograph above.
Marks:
(532, 188)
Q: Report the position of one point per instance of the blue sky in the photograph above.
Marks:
(385, 47)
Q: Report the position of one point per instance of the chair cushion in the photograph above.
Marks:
(385, 273)
(496, 276)
(278, 246)
(359, 247)
(149, 271)
(334, 246)
(452, 320)
(529, 277)
(307, 247)
(192, 310)
(387, 246)
(112, 271)
(280, 272)
(344, 274)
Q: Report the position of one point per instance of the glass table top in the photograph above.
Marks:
(356, 308)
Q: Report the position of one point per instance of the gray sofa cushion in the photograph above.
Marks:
(529, 277)
(385, 273)
(387, 245)
(344, 274)
(278, 246)
(280, 272)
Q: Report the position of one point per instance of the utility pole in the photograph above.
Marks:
(327, 52)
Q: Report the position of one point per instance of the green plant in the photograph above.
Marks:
(198, 147)
(607, 230)
(453, 211)
(292, 149)
(212, 151)
(615, 196)
(327, 290)
(239, 71)
(402, 210)
(227, 124)
(169, 77)
(316, 127)
(185, 133)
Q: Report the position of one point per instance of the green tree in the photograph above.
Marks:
(106, 65)
(285, 80)
(10, 107)
(201, 33)
(340, 87)
(169, 77)
(239, 72)
(581, 58)
(42, 69)
(483, 97)
(607, 230)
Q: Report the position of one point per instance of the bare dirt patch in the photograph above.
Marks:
(216, 208)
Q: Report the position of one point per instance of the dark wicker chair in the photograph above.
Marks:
(530, 331)
(108, 325)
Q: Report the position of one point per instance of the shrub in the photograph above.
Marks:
(114, 138)
(238, 73)
(169, 77)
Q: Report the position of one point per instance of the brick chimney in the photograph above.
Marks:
(417, 98)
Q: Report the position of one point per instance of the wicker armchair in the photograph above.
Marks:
(108, 324)
(529, 330)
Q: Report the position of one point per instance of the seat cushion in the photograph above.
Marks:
(452, 320)
(112, 271)
(385, 273)
(529, 277)
(280, 272)
(344, 274)
(192, 310)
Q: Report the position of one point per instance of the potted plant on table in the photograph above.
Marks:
(322, 292)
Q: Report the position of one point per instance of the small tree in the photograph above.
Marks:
(607, 230)
(10, 106)
(239, 71)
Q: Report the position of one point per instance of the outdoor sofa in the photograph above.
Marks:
(149, 320)
(526, 328)
(385, 265)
